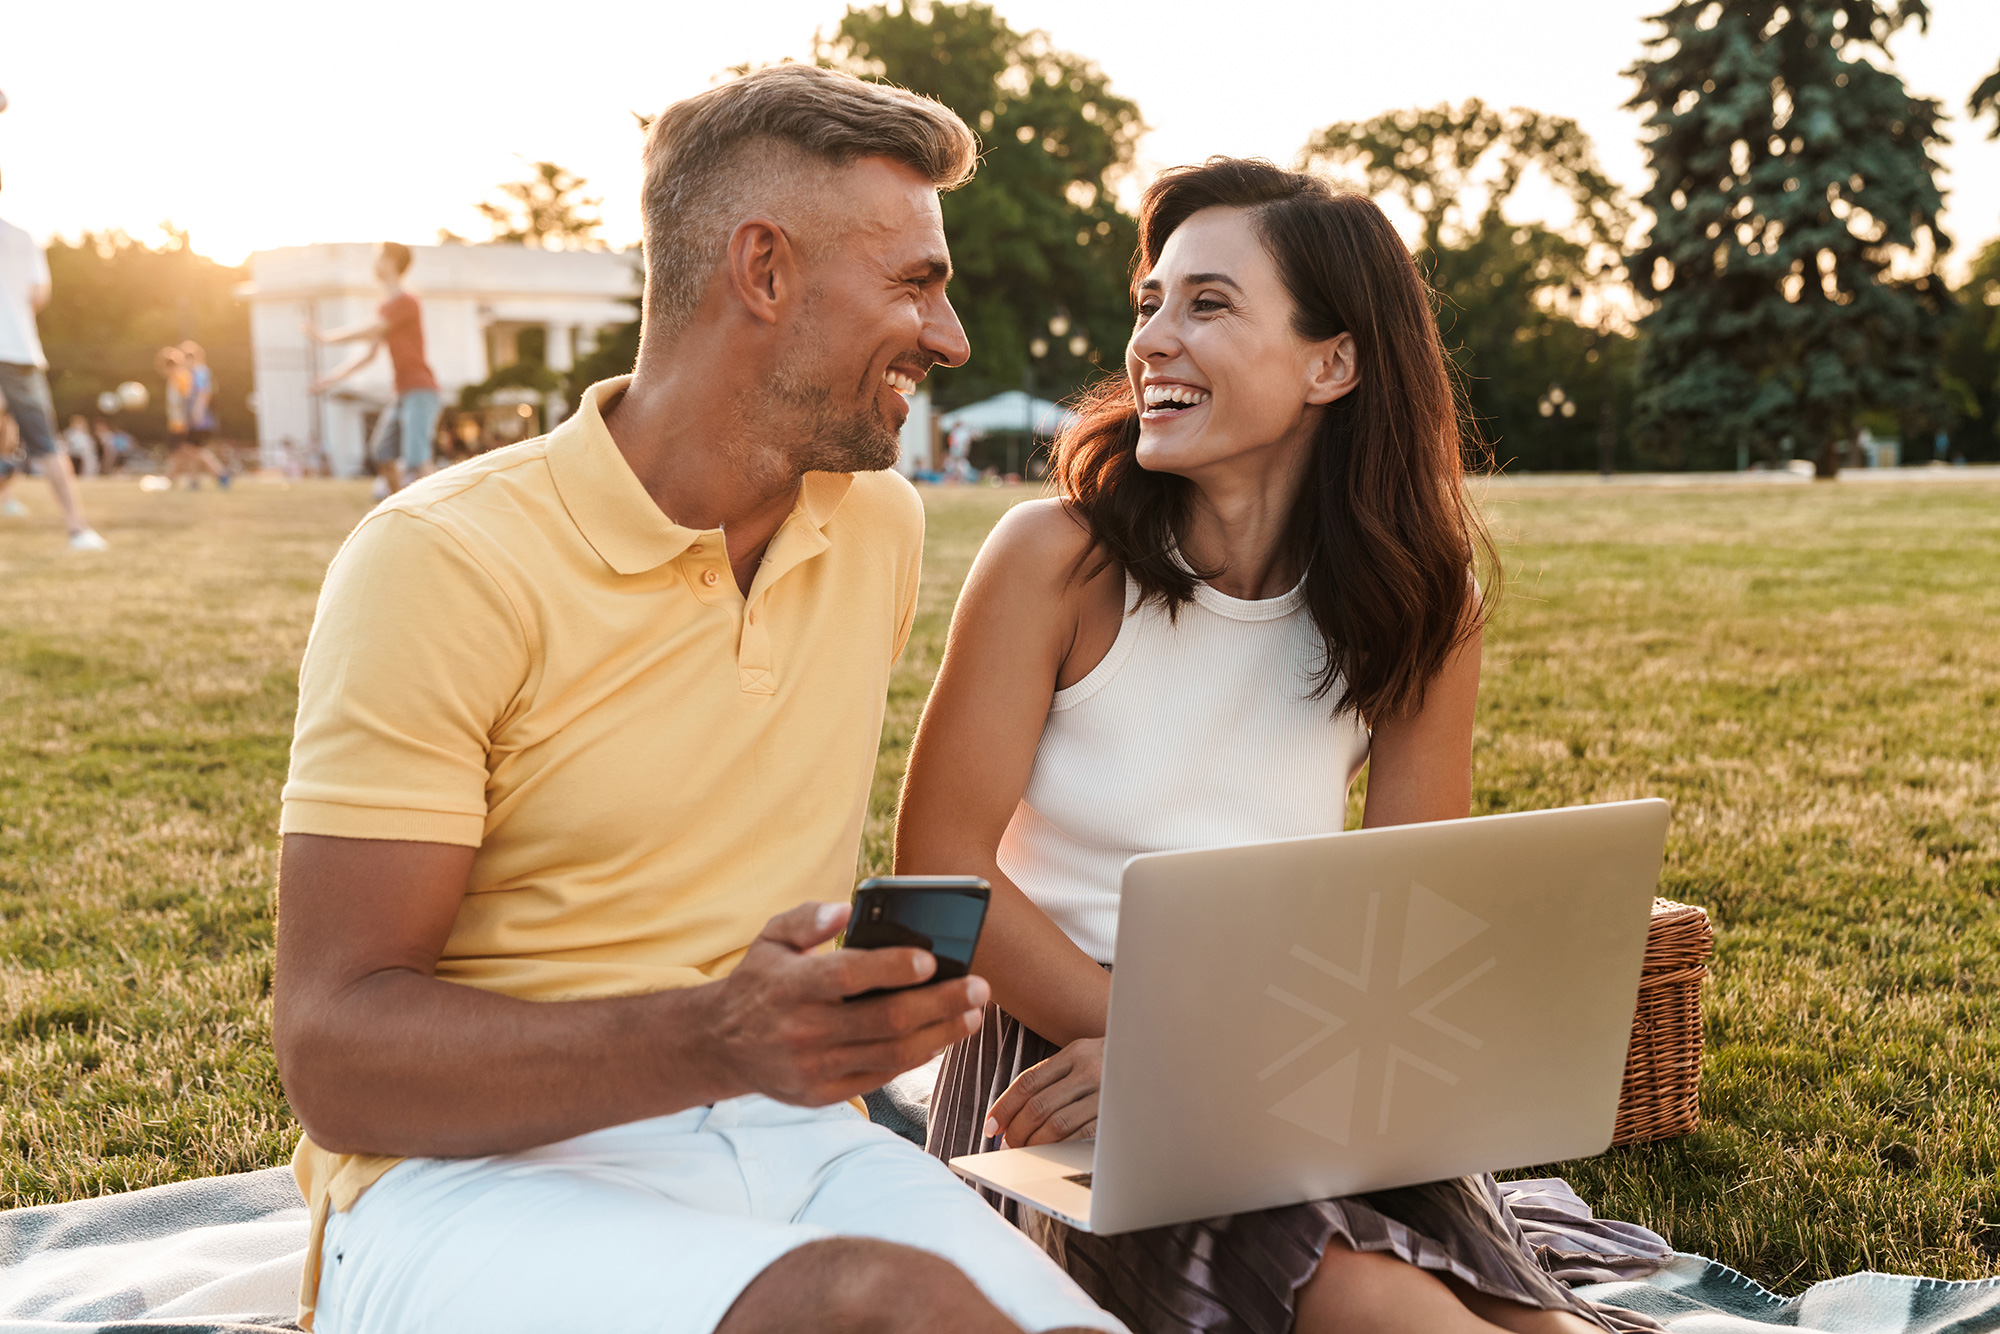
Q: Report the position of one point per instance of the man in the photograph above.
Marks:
(401, 446)
(24, 383)
(586, 732)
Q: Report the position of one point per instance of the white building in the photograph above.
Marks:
(476, 300)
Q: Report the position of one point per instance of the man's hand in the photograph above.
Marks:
(1053, 1101)
(783, 1025)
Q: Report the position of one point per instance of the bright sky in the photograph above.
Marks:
(260, 124)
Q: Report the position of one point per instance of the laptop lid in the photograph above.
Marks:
(1324, 1016)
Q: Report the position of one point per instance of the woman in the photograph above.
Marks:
(1258, 576)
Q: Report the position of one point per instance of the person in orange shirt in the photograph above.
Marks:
(402, 443)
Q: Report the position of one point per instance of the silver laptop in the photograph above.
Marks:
(1318, 1017)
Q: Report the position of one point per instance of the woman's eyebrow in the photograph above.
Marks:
(1192, 280)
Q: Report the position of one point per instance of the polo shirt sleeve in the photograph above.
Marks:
(415, 656)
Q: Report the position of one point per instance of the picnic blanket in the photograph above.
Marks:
(222, 1256)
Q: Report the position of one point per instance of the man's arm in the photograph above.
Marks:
(354, 363)
(379, 1056)
(373, 331)
(38, 296)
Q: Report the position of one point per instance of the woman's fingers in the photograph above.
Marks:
(1074, 1119)
(1026, 1085)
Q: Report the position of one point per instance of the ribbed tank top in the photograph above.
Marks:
(1193, 731)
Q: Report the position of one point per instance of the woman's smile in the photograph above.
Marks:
(1167, 399)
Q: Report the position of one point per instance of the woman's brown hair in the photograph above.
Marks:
(1382, 525)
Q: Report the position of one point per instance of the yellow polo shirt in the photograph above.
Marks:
(522, 654)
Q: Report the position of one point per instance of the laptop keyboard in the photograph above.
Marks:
(1081, 1179)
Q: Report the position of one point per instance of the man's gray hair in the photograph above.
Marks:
(754, 145)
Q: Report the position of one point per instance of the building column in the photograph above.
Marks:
(561, 346)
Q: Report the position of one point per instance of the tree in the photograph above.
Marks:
(1790, 174)
(1037, 236)
(1971, 361)
(1540, 385)
(547, 209)
(1986, 98)
(115, 302)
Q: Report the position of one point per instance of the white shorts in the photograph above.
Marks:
(658, 1225)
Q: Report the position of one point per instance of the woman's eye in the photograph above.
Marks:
(1147, 309)
(1206, 303)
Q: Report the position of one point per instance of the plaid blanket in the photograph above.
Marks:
(1696, 1296)
(222, 1256)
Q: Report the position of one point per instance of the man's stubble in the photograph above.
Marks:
(799, 418)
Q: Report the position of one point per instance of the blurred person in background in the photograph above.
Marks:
(188, 454)
(113, 445)
(401, 445)
(81, 446)
(24, 382)
(201, 408)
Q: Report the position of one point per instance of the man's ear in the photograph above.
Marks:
(1334, 370)
(763, 269)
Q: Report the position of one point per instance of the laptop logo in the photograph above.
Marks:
(1433, 931)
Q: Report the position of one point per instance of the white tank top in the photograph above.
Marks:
(1190, 733)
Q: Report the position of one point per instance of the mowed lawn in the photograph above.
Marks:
(1810, 674)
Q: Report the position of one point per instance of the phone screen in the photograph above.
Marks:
(942, 914)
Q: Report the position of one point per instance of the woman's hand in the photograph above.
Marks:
(1053, 1101)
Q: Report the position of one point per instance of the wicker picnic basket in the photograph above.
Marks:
(1663, 1064)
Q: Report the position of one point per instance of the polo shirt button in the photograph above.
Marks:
(697, 548)
(710, 578)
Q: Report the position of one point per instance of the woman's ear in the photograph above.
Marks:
(1334, 370)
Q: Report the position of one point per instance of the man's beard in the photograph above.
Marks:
(800, 418)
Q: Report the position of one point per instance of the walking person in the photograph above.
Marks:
(401, 445)
(24, 383)
(201, 409)
(1257, 578)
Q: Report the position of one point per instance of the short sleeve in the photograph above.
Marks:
(416, 654)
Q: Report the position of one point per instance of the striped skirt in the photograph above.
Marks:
(1238, 1275)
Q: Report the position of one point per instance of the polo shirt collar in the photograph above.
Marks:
(612, 509)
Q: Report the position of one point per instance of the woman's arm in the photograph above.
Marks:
(1420, 767)
(1021, 627)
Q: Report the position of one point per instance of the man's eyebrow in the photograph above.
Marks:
(936, 269)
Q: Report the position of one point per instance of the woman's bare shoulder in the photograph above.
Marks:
(1042, 542)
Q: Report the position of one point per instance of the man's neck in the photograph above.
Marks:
(685, 437)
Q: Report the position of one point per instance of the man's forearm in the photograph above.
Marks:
(401, 1063)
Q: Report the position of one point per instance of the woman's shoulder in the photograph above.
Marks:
(1043, 537)
(1053, 565)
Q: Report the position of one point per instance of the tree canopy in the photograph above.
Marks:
(115, 302)
(1540, 385)
(1790, 174)
(546, 209)
(1040, 247)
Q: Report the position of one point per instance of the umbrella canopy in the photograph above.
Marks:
(1014, 410)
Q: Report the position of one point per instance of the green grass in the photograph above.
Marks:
(1809, 674)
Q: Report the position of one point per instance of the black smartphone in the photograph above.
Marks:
(939, 913)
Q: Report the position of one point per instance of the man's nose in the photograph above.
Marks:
(944, 336)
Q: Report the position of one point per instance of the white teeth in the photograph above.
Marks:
(1157, 394)
(901, 383)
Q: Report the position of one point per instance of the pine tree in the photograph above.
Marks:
(1790, 172)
